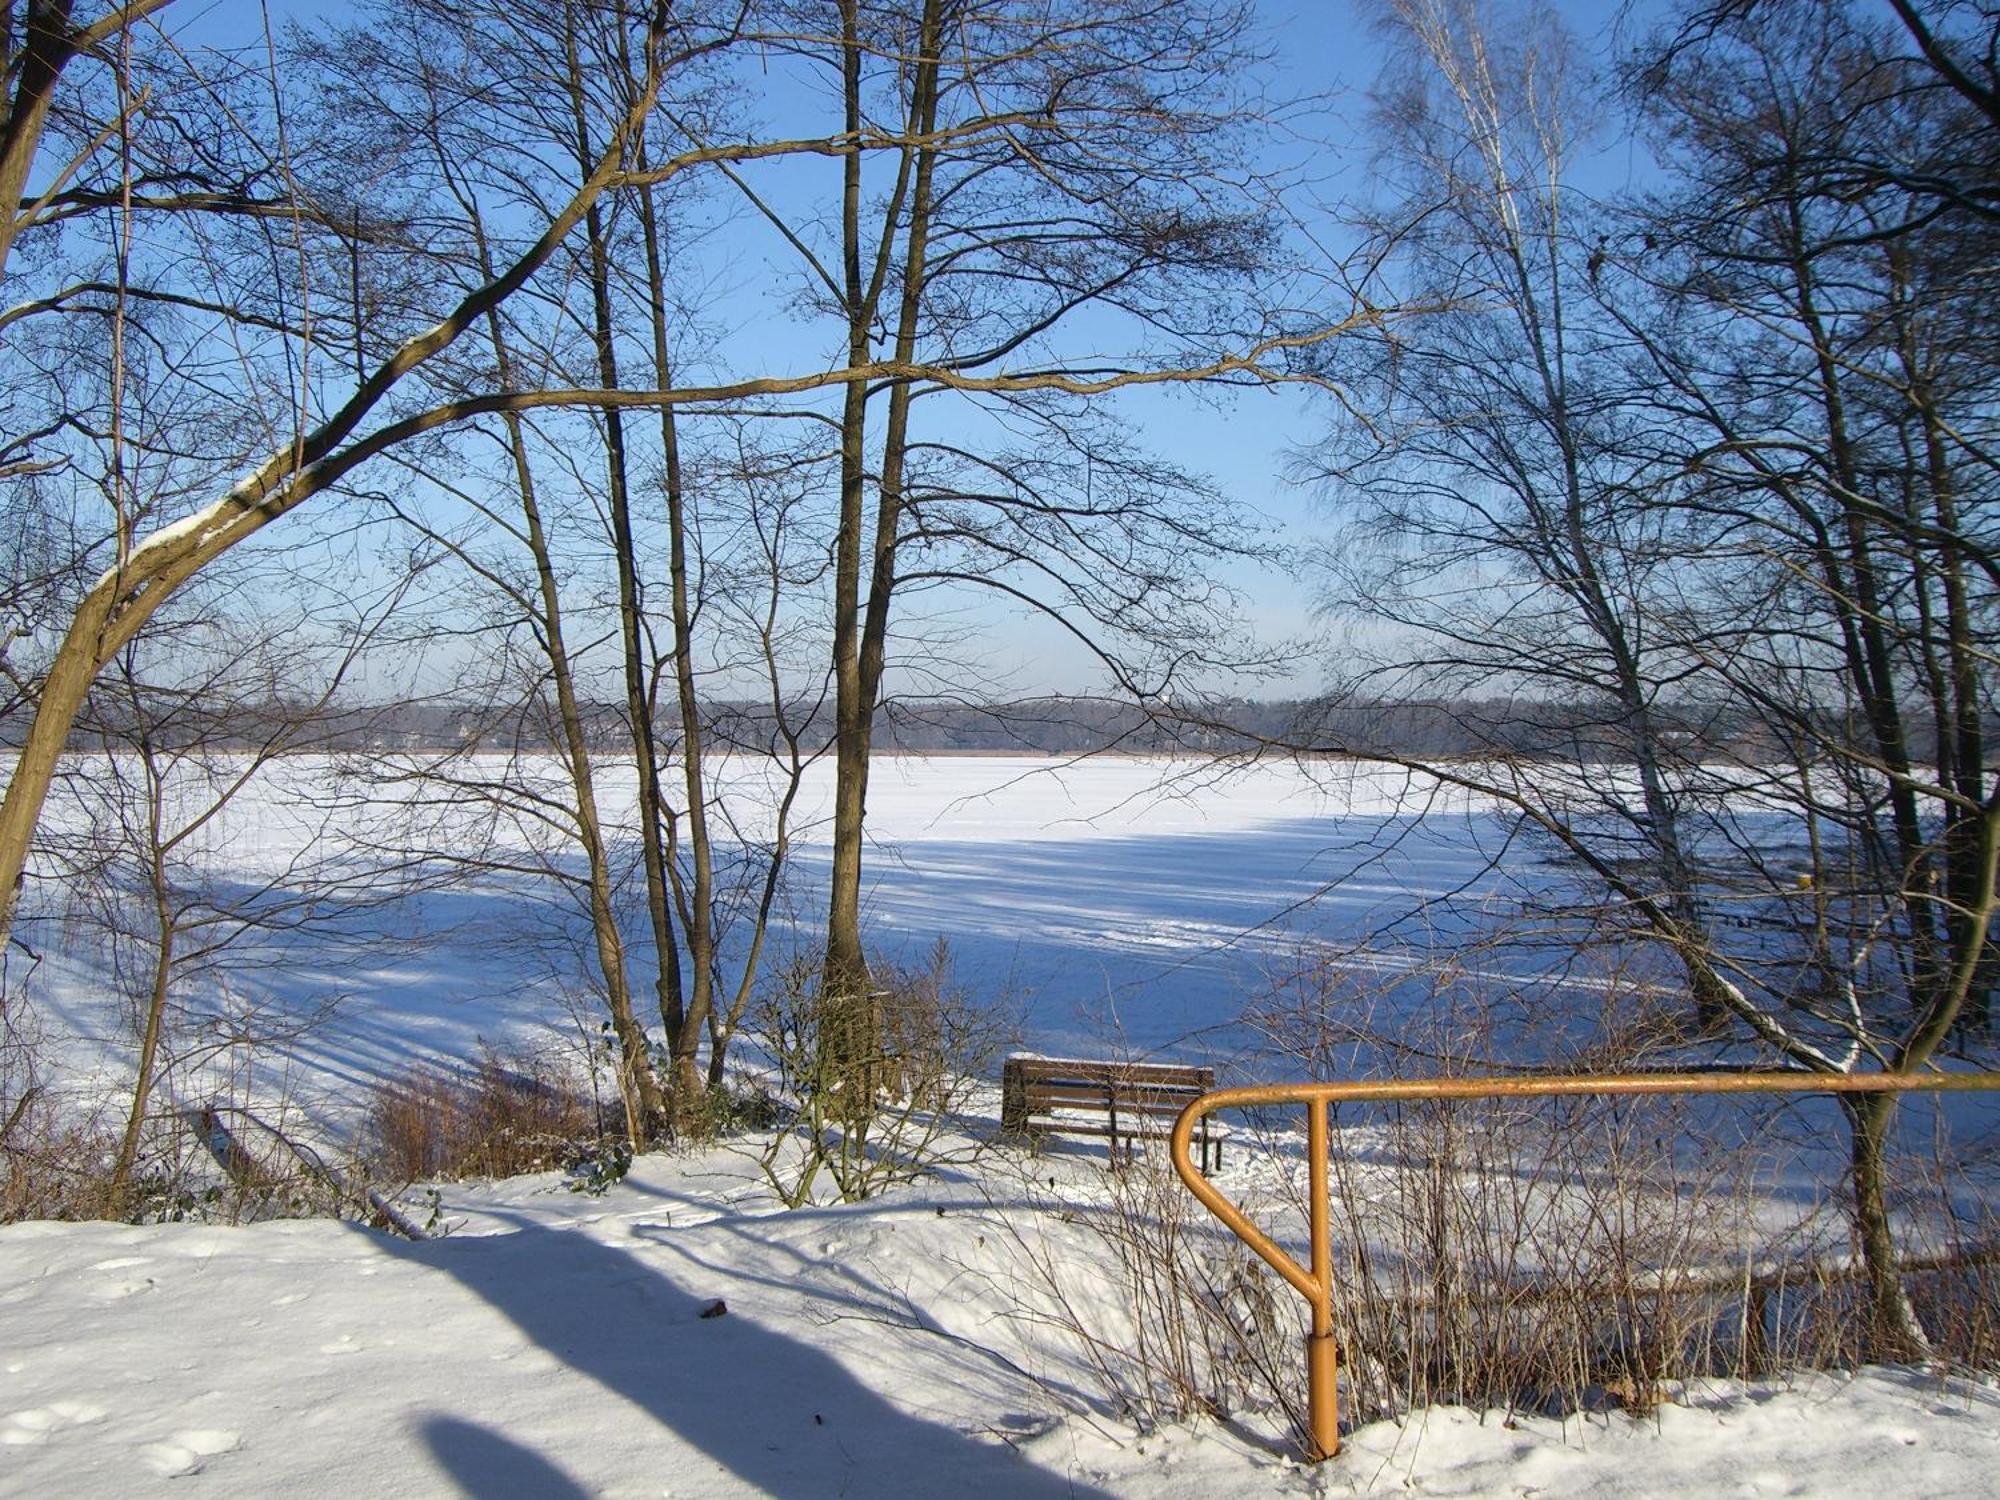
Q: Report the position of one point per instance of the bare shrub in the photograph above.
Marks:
(214, 1164)
(738, 1103)
(1531, 1255)
(1581, 1252)
(863, 1125)
(1569, 1253)
(54, 1164)
(504, 1115)
(1167, 1316)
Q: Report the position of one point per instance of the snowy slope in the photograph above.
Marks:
(554, 1345)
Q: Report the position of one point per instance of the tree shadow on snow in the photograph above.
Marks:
(485, 1464)
(777, 1414)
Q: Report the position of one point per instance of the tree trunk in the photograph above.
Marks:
(846, 1035)
(859, 655)
(120, 1191)
(667, 982)
(697, 905)
(63, 692)
(1893, 1331)
(638, 1088)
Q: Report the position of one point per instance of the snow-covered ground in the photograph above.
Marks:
(554, 1345)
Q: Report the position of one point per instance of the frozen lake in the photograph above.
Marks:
(1118, 902)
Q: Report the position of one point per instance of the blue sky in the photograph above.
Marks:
(1323, 51)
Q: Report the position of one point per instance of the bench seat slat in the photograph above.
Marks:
(1041, 1095)
(1161, 1111)
(1126, 1129)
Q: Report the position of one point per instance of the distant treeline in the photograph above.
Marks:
(1047, 725)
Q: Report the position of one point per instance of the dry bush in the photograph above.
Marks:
(1570, 1253)
(862, 1124)
(1166, 1315)
(54, 1164)
(1550, 1254)
(217, 1165)
(501, 1116)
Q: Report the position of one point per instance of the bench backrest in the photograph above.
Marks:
(1108, 1074)
(1033, 1086)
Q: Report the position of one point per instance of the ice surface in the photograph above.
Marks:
(1115, 902)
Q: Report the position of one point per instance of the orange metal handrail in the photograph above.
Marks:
(1315, 1283)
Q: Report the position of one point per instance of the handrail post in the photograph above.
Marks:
(1322, 1356)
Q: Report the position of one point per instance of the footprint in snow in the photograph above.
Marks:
(124, 1286)
(37, 1423)
(1762, 1482)
(188, 1452)
(122, 1262)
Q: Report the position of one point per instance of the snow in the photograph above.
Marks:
(555, 1345)
(1119, 902)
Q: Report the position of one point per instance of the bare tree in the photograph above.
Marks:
(187, 721)
(1005, 169)
(1832, 369)
(405, 387)
(1712, 470)
(1051, 168)
(1489, 490)
(147, 566)
(602, 503)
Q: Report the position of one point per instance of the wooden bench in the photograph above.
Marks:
(1041, 1095)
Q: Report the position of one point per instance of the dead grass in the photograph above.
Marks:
(502, 1115)
(218, 1164)
(54, 1164)
(1578, 1253)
